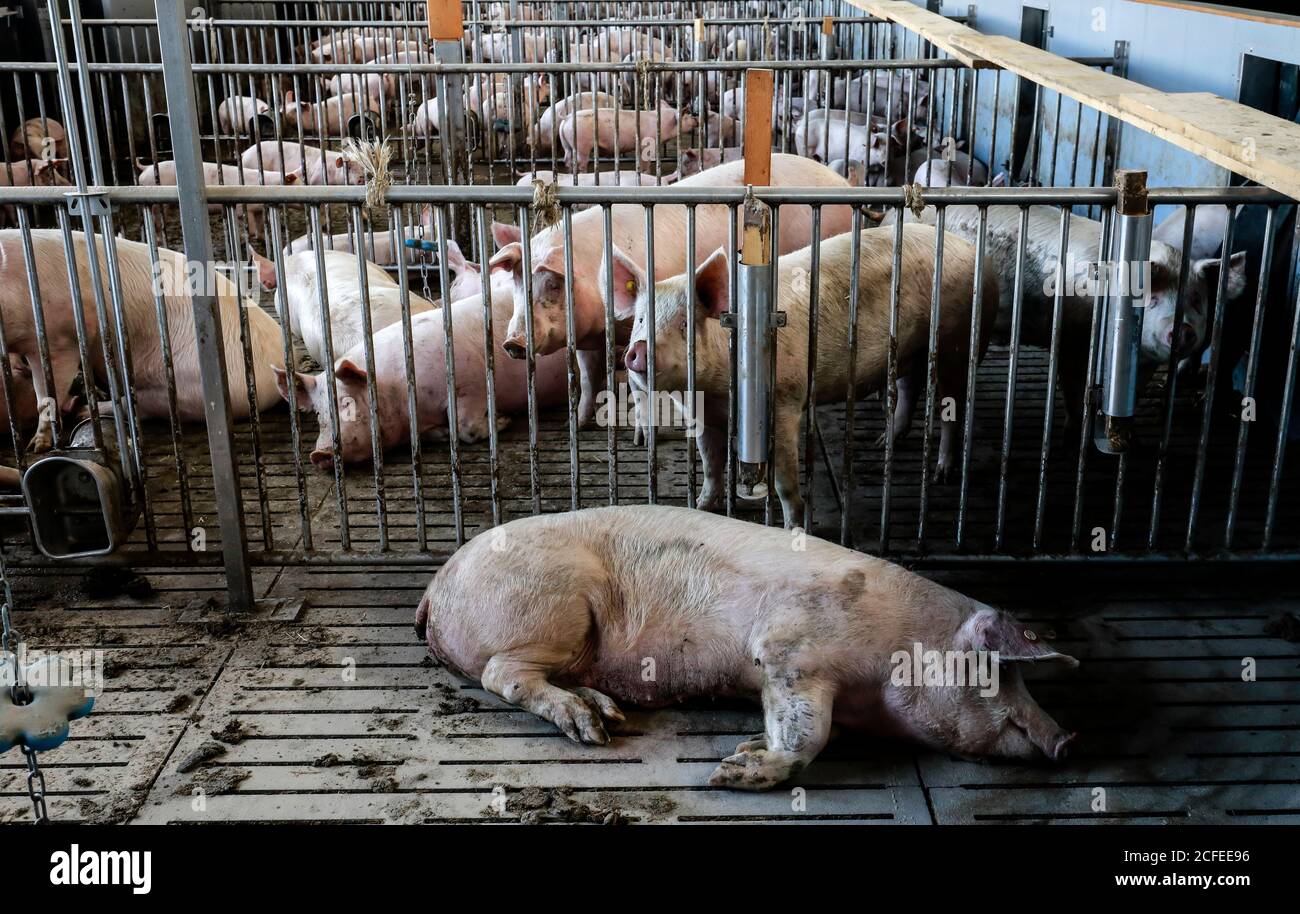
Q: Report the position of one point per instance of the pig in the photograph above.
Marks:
(343, 294)
(30, 173)
(138, 284)
(694, 161)
(23, 394)
(234, 113)
(39, 138)
(424, 124)
(1207, 231)
(607, 130)
(330, 116)
(540, 135)
(886, 100)
(1158, 335)
(377, 88)
(733, 105)
(323, 166)
(713, 363)
(729, 610)
(958, 170)
(428, 336)
(854, 172)
(382, 247)
(712, 221)
(856, 138)
(720, 130)
(164, 174)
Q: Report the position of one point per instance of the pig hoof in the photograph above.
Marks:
(503, 423)
(941, 473)
(758, 741)
(579, 720)
(757, 769)
(604, 704)
(43, 440)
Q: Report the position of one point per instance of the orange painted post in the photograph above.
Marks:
(758, 163)
(445, 23)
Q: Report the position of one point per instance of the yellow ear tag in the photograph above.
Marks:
(631, 285)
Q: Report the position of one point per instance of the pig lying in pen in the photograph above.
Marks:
(793, 287)
(137, 275)
(429, 345)
(725, 607)
(344, 296)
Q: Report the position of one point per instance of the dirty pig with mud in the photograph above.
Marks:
(654, 605)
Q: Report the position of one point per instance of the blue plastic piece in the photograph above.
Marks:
(42, 723)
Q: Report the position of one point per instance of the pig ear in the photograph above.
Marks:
(899, 131)
(305, 383)
(455, 259)
(712, 282)
(629, 279)
(1208, 269)
(506, 259)
(504, 234)
(552, 262)
(991, 630)
(348, 370)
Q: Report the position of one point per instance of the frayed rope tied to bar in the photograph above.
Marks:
(372, 157)
(913, 199)
(545, 208)
(643, 67)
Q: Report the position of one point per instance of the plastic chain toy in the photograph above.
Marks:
(42, 723)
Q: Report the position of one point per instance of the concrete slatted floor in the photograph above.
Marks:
(331, 711)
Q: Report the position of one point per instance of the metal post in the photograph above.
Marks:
(1126, 293)
(447, 32)
(754, 319)
(178, 80)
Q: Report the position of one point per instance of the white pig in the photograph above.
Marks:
(234, 113)
(607, 130)
(1041, 260)
(330, 116)
(344, 297)
(138, 284)
(429, 343)
(582, 101)
(164, 174)
(712, 347)
(730, 610)
(30, 173)
(328, 166)
(628, 220)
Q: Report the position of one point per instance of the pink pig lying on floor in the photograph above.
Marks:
(429, 342)
(563, 614)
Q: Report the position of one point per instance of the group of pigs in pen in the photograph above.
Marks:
(811, 631)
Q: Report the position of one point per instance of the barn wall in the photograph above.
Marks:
(1172, 50)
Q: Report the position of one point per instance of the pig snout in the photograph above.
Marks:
(1187, 338)
(636, 357)
(322, 460)
(515, 347)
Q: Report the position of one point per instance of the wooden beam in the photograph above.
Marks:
(1243, 140)
(445, 22)
(934, 28)
(1247, 142)
(758, 161)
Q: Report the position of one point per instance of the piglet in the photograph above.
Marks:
(717, 606)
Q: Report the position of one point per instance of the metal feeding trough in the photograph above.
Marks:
(261, 126)
(80, 503)
(362, 128)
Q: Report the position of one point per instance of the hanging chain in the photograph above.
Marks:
(35, 777)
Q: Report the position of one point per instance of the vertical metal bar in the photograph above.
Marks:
(179, 83)
(408, 366)
(973, 359)
(1252, 369)
(1053, 365)
(1013, 361)
(1288, 396)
